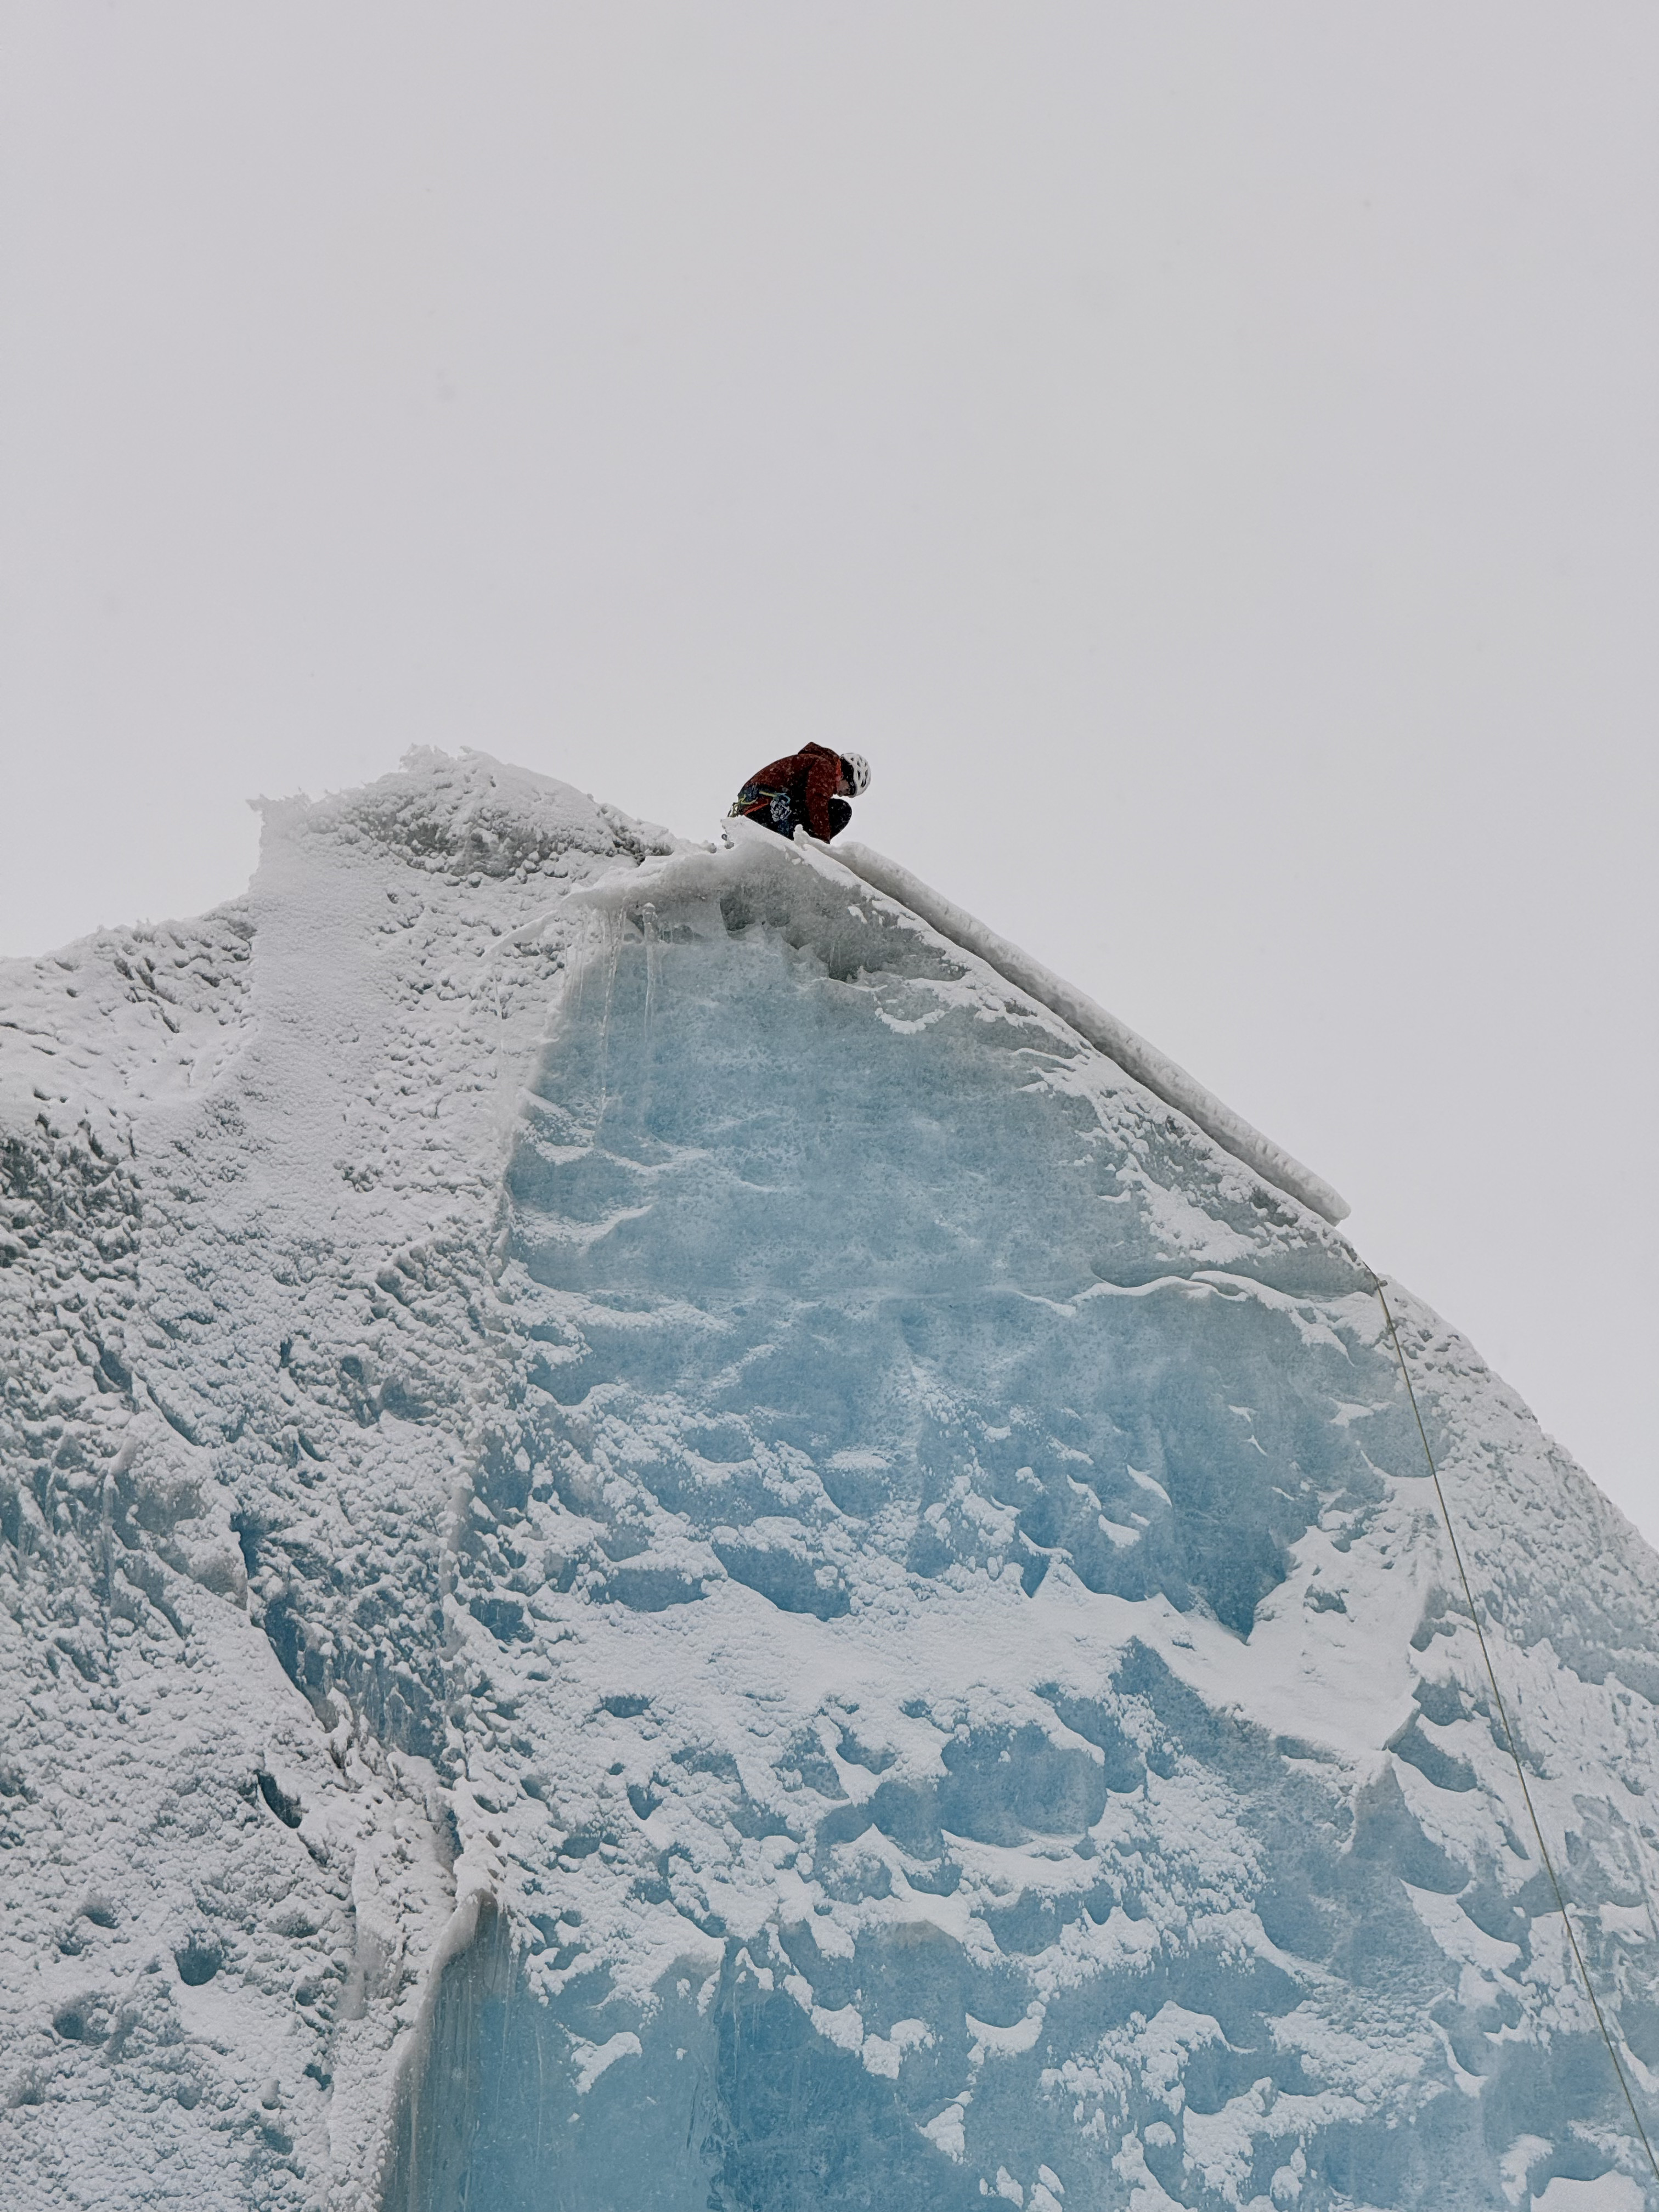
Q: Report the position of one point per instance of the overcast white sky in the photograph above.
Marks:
(1207, 457)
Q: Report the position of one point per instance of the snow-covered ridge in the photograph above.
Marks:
(663, 1545)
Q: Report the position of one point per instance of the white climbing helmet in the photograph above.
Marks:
(858, 768)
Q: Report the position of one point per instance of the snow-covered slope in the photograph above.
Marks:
(663, 1547)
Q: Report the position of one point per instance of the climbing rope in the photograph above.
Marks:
(1509, 1733)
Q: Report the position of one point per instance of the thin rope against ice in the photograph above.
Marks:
(1509, 1733)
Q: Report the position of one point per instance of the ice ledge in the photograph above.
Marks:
(702, 871)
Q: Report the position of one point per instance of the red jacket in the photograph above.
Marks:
(812, 777)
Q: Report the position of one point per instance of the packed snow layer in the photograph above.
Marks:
(665, 1548)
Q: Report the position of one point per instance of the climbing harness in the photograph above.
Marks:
(754, 798)
(1509, 1733)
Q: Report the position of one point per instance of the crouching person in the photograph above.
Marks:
(808, 790)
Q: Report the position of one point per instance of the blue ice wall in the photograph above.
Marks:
(876, 1267)
(982, 1709)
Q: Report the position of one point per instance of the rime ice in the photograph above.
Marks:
(664, 1549)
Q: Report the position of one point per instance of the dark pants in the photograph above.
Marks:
(780, 815)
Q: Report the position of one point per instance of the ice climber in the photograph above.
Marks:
(808, 790)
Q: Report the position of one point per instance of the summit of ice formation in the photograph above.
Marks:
(665, 1548)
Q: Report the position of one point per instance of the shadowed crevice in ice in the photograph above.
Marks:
(524, 2106)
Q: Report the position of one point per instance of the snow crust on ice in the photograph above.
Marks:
(1165, 1078)
(664, 1548)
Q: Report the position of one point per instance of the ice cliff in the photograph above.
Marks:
(664, 1548)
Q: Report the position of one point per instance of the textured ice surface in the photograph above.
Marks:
(664, 1549)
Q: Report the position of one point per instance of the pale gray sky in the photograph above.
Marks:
(1207, 457)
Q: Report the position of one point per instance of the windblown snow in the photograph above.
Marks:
(664, 1548)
